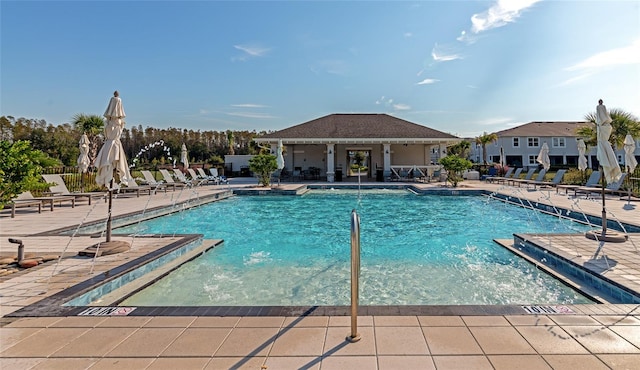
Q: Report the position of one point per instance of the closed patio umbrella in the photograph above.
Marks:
(543, 157)
(629, 158)
(83, 158)
(280, 155)
(184, 156)
(111, 157)
(582, 160)
(610, 170)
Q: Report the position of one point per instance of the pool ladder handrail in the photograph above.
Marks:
(355, 275)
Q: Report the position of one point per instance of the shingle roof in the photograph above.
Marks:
(358, 126)
(555, 129)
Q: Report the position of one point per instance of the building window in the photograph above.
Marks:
(516, 142)
(532, 160)
(559, 142)
(533, 142)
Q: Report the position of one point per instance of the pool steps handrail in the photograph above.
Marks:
(355, 275)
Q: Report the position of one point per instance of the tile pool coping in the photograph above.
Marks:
(51, 306)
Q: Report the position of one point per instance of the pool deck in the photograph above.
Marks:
(596, 336)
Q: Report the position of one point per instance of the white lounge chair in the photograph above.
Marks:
(168, 179)
(591, 181)
(221, 179)
(59, 188)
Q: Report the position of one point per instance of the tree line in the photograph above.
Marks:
(61, 142)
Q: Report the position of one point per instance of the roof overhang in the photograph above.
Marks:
(425, 141)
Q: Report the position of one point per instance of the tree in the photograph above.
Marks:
(263, 166)
(230, 142)
(623, 123)
(483, 140)
(461, 149)
(93, 126)
(19, 169)
(454, 166)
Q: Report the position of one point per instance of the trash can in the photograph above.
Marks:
(379, 175)
(338, 174)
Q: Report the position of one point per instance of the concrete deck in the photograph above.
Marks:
(603, 336)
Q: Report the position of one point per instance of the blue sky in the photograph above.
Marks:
(462, 67)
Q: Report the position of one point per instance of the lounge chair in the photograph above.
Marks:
(170, 181)
(554, 182)
(150, 180)
(197, 179)
(180, 177)
(204, 175)
(591, 182)
(539, 178)
(221, 179)
(59, 188)
(20, 203)
(509, 175)
(612, 188)
(136, 188)
(527, 177)
(27, 196)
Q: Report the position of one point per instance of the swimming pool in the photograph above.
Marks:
(416, 250)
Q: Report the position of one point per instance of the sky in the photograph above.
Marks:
(461, 67)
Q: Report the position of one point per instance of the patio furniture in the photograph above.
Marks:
(27, 196)
(591, 181)
(509, 174)
(527, 177)
(59, 188)
(168, 179)
(611, 188)
(554, 182)
(19, 203)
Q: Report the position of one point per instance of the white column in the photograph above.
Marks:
(331, 166)
(386, 162)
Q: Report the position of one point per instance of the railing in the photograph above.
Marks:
(355, 275)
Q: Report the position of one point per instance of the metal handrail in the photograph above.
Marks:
(355, 275)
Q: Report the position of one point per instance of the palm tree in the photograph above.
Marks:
(623, 123)
(93, 126)
(483, 140)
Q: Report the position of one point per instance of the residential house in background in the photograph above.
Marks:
(522, 144)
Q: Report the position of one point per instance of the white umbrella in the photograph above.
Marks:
(280, 155)
(610, 170)
(629, 148)
(606, 155)
(111, 157)
(543, 157)
(582, 160)
(184, 156)
(83, 159)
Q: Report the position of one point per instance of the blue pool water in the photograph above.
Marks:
(416, 250)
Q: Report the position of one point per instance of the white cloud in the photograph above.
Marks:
(573, 80)
(408, 34)
(625, 55)
(427, 81)
(251, 115)
(401, 107)
(248, 106)
(441, 54)
(250, 51)
(499, 14)
(331, 66)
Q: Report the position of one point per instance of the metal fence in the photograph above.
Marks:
(77, 181)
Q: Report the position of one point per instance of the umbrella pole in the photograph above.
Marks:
(604, 209)
(109, 215)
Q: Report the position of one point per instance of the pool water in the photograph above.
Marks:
(416, 250)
